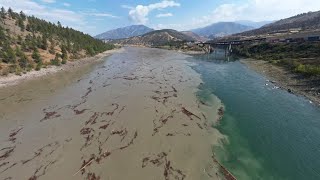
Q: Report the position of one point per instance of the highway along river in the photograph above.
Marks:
(156, 114)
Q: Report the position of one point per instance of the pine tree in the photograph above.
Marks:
(64, 53)
(44, 43)
(3, 13)
(36, 56)
(10, 12)
(10, 56)
(18, 52)
(21, 24)
(23, 61)
(23, 16)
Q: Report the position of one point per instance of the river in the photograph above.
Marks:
(271, 134)
(133, 116)
(154, 114)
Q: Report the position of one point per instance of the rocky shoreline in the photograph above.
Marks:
(285, 79)
(13, 79)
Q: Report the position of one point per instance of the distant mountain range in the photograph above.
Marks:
(221, 29)
(255, 24)
(125, 32)
(156, 38)
(310, 20)
(195, 36)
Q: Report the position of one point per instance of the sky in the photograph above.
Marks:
(97, 16)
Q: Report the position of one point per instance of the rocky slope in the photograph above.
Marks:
(157, 38)
(125, 32)
(305, 21)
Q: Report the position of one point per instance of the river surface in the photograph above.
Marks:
(133, 116)
(271, 134)
(154, 114)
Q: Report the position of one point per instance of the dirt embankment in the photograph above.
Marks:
(285, 79)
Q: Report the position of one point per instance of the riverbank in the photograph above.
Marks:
(13, 79)
(285, 79)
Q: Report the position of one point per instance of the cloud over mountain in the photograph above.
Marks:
(140, 13)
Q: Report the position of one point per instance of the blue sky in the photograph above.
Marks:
(97, 16)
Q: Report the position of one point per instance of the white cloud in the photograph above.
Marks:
(140, 13)
(52, 14)
(124, 6)
(48, 1)
(66, 4)
(102, 15)
(168, 26)
(164, 15)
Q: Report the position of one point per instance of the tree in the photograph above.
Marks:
(18, 52)
(59, 24)
(64, 53)
(21, 24)
(3, 13)
(10, 12)
(3, 36)
(23, 16)
(10, 56)
(36, 56)
(56, 60)
(44, 43)
(23, 61)
(51, 50)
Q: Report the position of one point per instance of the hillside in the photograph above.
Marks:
(221, 29)
(28, 43)
(195, 36)
(254, 24)
(157, 38)
(305, 21)
(125, 32)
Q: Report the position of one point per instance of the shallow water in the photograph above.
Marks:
(134, 116)
(271, 134)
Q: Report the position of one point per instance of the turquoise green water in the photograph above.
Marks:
(271, 134)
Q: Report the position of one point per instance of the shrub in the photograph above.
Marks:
(55, 62)
(18, 71)
(38, 67)
(64, 61)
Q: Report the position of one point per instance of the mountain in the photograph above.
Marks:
(195, 36)
(221, 29)
(157, 38)
(310, 20)
(125, 32)
(27, 43)
(255, 24)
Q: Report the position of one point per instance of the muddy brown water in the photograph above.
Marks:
(133, 116)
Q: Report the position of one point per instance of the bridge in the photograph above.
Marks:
(209, 47)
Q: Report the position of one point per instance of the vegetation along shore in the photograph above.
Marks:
(292, 66)
(28, 43)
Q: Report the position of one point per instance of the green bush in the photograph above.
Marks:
(18, 71)
(64, 61)
(38, 67)
(55, 62)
